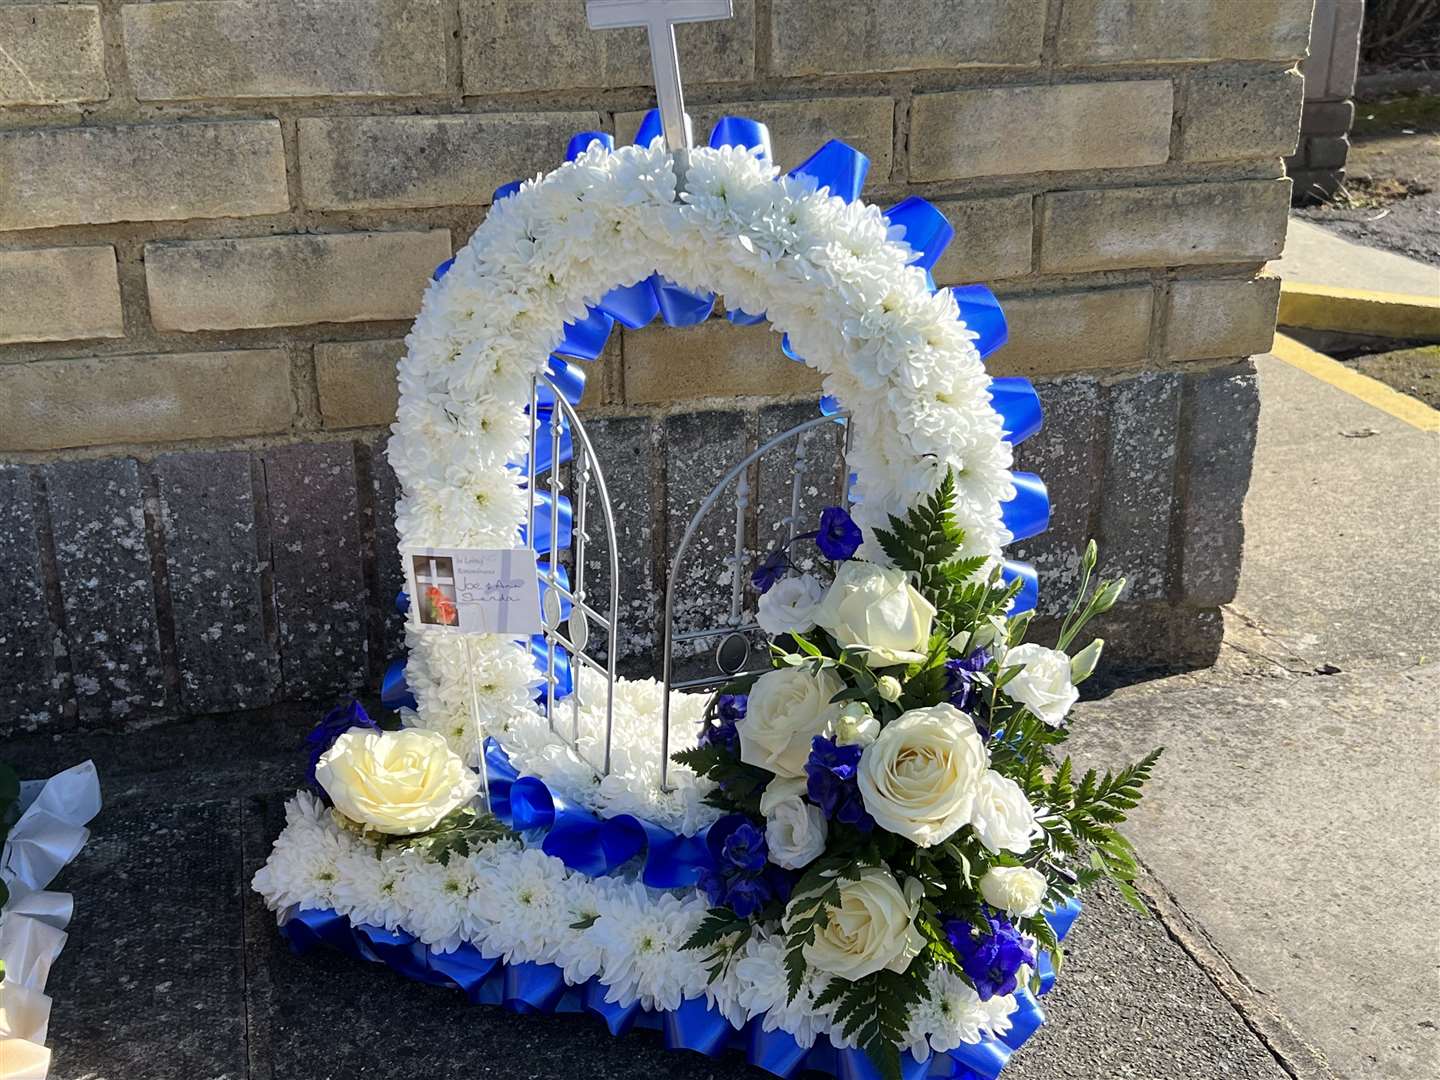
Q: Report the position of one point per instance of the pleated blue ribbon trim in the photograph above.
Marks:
(541, 988)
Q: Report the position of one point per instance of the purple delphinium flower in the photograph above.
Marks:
(728, 709)
(745, 849)
(747, 895)
(336, 722)
(831, 782)
(771, 570)
(960, 677)
(992, 958)
(839, 537)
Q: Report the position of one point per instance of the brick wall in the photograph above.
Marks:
(217, 217)
(1318, 165)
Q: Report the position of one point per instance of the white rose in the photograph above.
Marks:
(889, 688)
(872, 927)
(1015, 890)
(395, 782)
(788, 607)
(1003, 818)
(856, 725)
(875, 608)
(788, 707)
(1043, 684)
(920, 776)
(795, 831)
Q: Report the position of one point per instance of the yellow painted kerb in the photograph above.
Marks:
(1371, 391)
(1360, 311)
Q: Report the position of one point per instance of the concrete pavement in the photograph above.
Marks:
(1317, 256)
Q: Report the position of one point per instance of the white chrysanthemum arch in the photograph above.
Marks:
(833, 275)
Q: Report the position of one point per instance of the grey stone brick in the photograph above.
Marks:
(55, 54)
(1222, 412)
(97, 512)
(368, 162)
(1327, 117)
(1053, 333)
(1121, 31)
(1221, 317)
(1327, 152)
(66, 293)
(320, 594)
(285, 48)
(1033, 129)
(625, 446)
(356, 381)
(1170, 225)
(1241, 116)
(223, 647)
(291, 280)
(389, 571)
(1144, 415)
(699, 449)
(809, 38)
(517, 45)
(1067, 455)
(142, 172)
(29, 683)
(992, 239)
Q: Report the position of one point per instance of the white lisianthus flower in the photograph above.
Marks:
(920, 776)
(787, 708)
(876, 609)
(856, 725)
(889, 688)
(1043, 684)
(1016, 890)
(395, 782)
(870, 929)
(788, 607)
(1003, 818)
(795, 831)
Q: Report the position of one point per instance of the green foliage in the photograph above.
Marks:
(741, 785)
(876, 1009)
(724, 934)
(460, 833)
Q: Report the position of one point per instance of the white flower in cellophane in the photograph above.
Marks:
(762, 990)
(641, 933)
(527, 903)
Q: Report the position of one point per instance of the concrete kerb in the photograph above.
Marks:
(1360, 311)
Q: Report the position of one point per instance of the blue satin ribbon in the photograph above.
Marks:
(532, 988)
(927, 230)
(1018, 404)
(564, 680)
(394, 689)
(565, 516)
(837, 166)
(568, 378)
(1027, 514)
(1029, 594)
(981, 312)
(585, 338)
(581, 140)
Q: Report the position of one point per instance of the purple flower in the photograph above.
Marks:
(745, 849)
(731, 707)
(993, 957)
(839, 536)
(770, 571)
(712, 884)
(747, 895)
(336, 722)
(832, 782)
(960, 677)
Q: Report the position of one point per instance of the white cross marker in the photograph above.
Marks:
(659, 17)
(435, 578)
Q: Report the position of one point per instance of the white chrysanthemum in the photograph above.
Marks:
(304, 865)
(764, 990)
(640, 933)
(527, 904)
(952, 1015)
(437, 899)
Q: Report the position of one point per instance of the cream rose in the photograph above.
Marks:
(788, 607)
(788, 707)
(920, 776)
(1015, 890)
(856, 725)
(395, 782)
(872, 927)
(1003, 818)
(876, 609)
(1043, 684)
(795, 831)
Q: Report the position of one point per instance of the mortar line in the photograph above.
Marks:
(153, 508)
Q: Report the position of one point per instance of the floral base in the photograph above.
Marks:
(695, 1026)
